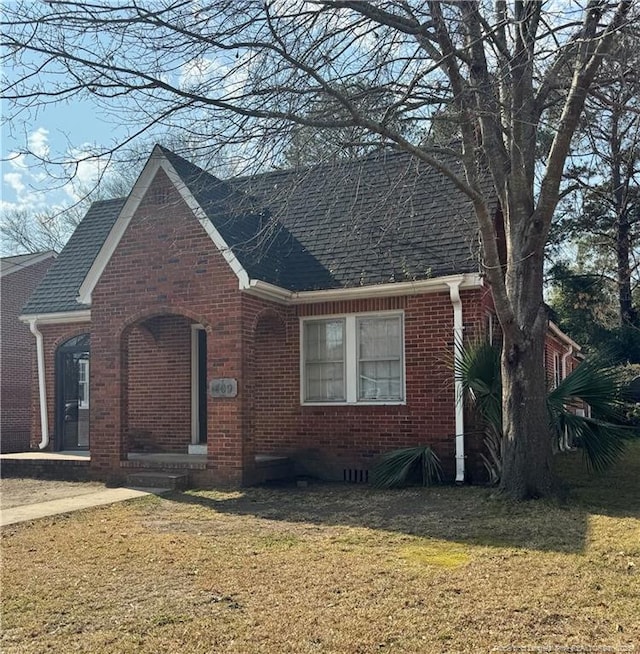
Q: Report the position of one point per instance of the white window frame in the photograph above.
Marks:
(83, 364)
(351, 359)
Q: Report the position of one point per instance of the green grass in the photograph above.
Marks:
(332, 569)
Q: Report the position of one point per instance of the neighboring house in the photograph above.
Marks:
(304, 314)
(19, 275)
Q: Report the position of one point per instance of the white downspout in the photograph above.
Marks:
(42, 385)
(565, 437)
(458, 330)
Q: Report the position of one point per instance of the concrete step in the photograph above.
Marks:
(158, 479)
(269, 468)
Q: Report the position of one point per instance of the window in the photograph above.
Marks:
(83, 384)
(379, 358)
(324, 360)
(353, 358)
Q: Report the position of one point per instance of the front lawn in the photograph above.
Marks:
(332, 569)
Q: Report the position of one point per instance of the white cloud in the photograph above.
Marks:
(86, 173)
(17, 161)
(196, 72)
(38, 142)
(14, 180)
(23, 186)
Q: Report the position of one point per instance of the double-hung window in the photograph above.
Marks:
(356, 358)
(324, 369)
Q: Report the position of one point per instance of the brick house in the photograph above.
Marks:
(19, 276)
(305, 314)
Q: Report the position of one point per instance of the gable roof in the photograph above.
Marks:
(386, 218)
(18, 262)
(59, 288)
(383, 219)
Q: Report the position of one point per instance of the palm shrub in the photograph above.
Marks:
(602, 435)
(478, 368)
(405, 466)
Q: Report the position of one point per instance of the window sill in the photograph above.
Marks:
(352, 404)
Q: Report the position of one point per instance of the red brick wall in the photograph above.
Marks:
(165, 264)
(555, 347)
(16, 356)
(159, 385)
(328, 439)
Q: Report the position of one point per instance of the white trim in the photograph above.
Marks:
(15, 267)
(84, 363)
(42, 385)
(195, 386)
(556, 331)
(351, 358)
(458, 336)
(156, 161)
(434, 285)
(59, 317)
(557, 369)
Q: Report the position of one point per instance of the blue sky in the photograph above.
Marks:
(60, 132)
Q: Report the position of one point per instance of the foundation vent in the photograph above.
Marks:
(355, 476)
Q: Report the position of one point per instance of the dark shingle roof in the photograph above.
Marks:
(381, 219)
(59, 288)
(21, 261)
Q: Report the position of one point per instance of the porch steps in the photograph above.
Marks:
(158, 479)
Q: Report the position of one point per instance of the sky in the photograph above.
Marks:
(61, 132)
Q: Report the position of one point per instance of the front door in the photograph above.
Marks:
(72, 393)
(198, 389)
(202, 386)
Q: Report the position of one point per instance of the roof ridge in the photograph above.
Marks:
(373, 156)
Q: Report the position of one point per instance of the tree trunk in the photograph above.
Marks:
(527, 440)
(625, 299)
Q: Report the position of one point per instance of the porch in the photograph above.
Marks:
(76, 466)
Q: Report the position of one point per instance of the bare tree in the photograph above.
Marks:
(602, 214)
(243, 73)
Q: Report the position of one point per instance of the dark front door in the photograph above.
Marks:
(72, 394)
(202, 386)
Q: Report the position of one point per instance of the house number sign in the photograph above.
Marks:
(223, 387)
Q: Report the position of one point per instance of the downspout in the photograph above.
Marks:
(458, 331)
(565, 437)
(42, 386)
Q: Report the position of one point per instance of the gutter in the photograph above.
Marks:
(57, 317)
(274, 293)
(42, 386)
(458, 333)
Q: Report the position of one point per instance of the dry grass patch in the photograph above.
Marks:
(18, 491)
(329, 569)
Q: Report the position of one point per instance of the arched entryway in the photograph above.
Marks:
(72, 393)
(164, 383)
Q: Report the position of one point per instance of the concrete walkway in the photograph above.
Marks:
(69, 504)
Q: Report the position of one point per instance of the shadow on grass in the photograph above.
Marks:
(614, 493)
(464, 515)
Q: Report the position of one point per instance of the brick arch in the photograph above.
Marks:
(157, 312)
(155, 379)
(269, 320)
(67, 336)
